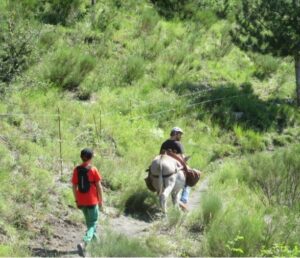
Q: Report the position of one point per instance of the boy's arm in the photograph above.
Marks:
(74, 187)
(100, 193)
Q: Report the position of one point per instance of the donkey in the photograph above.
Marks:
(167, 178)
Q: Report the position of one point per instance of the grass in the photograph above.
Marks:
(247, 198)
(117, 245)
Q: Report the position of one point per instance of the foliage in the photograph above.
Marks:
(235, 184)
(277, 176)
(233, 222)
(112, 244)
(281, 249)
(103, 15)
(174, 217)
(233, 246)
(68, 67)
(222, 8)
(265, 66)
(17, 39)
(249, 140)
(169, 8)
(230, 106)
(265, 26)
(132, 69)
(59, 11)
(262, 26)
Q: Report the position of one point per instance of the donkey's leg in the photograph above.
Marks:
(175, 198)
(164, 197)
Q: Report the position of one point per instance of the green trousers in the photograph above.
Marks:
(91, 215)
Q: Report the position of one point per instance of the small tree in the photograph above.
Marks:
(16, 45)
(270, 26)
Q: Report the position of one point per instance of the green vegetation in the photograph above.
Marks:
(265, 27)
(122, 74)
(116, 245)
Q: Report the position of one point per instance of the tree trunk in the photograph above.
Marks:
(297, 70)
(93, 2)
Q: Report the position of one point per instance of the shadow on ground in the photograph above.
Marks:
(229, 105)
(41, 252)
(142, 205)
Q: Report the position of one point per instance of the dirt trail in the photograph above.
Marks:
(66, 234)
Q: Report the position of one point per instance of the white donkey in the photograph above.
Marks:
(167, 178)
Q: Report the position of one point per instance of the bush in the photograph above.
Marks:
(211, 205)
(230, 106)
(59, 11)
(132, 69)
(277, 176)
(265, 66)
(68, 67)
(175, 217)
(103, 15)
(170, 8)
(248, 140)
(222, 8)
(206, 18)
(17, 41)
(116, 245)
(237, 231)
(147, 22)
(281, 250)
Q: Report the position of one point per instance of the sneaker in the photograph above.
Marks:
(81, 250)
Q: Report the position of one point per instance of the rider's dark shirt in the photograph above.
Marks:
(173, 146)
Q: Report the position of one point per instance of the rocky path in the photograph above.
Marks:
(66, 234)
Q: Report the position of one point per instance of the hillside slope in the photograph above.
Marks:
(116, 77)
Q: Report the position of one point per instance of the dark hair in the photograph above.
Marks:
(86, 154)
(173, 133)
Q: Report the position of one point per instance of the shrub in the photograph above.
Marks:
(175, 217)
(132, 69)
(277, 176)
(170, 8)
(116, 245)
(230, 106)
(265, 65)
(68, 67)
(211, 206)
(59, 11)
(281, 250)
(249, 140)
(200, 220)
(13, 250)
(238, 231)
(17, 40)
(147, 22)
(103, 15)
(206, 18)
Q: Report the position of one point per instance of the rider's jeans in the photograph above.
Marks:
(185, 194)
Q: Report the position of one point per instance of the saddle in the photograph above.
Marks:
(192, 176)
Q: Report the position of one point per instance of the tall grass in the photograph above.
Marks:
(277, 176)
(259, 207)
(112, 244)
(68, 67)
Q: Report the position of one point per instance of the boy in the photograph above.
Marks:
(88, 194)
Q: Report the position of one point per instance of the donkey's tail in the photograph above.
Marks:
(160, 176)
